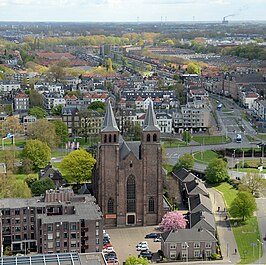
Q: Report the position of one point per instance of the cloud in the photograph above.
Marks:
(170, 2)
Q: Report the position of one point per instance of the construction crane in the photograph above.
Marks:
(226, 21)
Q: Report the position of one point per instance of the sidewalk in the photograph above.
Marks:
(224, 231)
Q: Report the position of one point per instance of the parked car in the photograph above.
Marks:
(106, 241)
(110, 255)
(157, 239)
(107, 245)
(112, 260)
(141, 243)
(145, 254)
(153, 235)
(108, 249)
(143, 248)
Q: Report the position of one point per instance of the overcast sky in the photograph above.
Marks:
(131, 10)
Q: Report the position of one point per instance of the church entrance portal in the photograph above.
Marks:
(131, 219)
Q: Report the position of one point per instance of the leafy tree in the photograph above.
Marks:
(38, 152)
(216, 171)
(193, 68)
(35, 99)
(109, 65)
(97, 105)
(132, 260)
(57, 110)
(44, 131)
(57, 72)
(77, 166)
(185, 161)
(10, 187)
(243, 205)
(61, 130)
(38, 112)
(39, 187)
(173, 221)
(30, 179)
(186, 137)
(11, 125)
(27, 166)
(10, 157)
(252, 182)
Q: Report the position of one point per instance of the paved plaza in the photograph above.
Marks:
(124, 240)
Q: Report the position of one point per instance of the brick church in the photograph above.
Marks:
(128, 176)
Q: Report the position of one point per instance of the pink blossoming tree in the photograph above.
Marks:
(172, 221)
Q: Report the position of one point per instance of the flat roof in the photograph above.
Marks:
(56, 259)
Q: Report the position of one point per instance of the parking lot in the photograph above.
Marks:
(124, 240)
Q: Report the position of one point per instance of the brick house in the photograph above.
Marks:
(188, 244)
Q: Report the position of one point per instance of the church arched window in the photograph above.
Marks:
(110, 138)
(148, 137)
(110, 205)
(131, 194)
(114, 138)
(151, 205)
(154, 137)
(105, 138)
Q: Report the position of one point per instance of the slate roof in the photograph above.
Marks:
(202, 220)
(199, 202)
(109, 122)
(188, 235)
(150, 123)
(127, 147)
(195, 187)
(184, 175)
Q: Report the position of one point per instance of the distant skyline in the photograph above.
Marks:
(131, 10)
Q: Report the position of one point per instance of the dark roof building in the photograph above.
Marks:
(198, 203)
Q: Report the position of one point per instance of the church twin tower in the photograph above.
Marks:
(128, 177)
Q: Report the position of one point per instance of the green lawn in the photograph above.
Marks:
(205, 156)
(173, 143)
(228, 191)
(211, 139)
(262, 136)
(58, 153)
(251, 139)
(19, 142)
(245, 234)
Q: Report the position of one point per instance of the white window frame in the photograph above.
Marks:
(172, 246)
(208, 253)
(196, 253)
(208, 244)
(196, 245)
(184, 254)
(172, 254)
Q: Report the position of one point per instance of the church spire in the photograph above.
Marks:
(150, 123)
(109, 123)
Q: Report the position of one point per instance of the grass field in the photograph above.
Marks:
(205, 156)
(173, 143)
(211, 139)
(245, 234)
(262, 136)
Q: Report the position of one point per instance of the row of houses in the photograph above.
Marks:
(198, 241)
